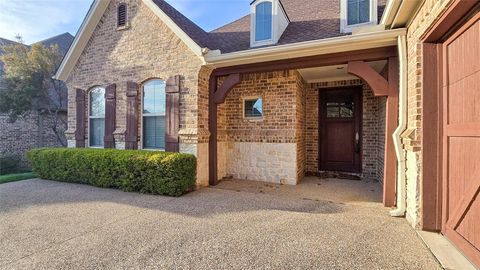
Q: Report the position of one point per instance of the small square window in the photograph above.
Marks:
(253, 108)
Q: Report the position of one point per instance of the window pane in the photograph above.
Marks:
(154, 132)
(263, 21)
(254, 108)
(154, 97)
(358, 11)
(340, 110)
(97, 132)
(97, 102)
(346, 110)
(332, 112)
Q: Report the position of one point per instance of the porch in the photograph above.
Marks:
(319, 114)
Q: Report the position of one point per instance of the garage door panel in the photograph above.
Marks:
(464, 166)
(469, 224)
(461, 155)
(471, 99)
(456, 93)
(471, 36)
(456, 173)
(464, 48)
(464, 100)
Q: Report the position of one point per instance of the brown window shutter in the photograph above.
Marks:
(110, 113)
(131, 134)
(80, 110)
(172, 119)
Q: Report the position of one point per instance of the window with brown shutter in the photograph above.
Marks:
(172, 121)
(122, 15)
(153, 115)
(110, 115)
(96, 117)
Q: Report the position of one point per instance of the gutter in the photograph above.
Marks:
(402, 126)
(368, 40)
(390, 12)
(399, 13)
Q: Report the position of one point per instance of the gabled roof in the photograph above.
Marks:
(191, 34)
(309, 20)
(63, 41)
(6, 42)
(194, 31)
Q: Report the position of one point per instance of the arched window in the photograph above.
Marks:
(96, 117)
(153, 114)
(122, 15)
(263, 21)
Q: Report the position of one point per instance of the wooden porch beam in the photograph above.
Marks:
(231, 81)
(391, 124)
(212, 127)
(311, 61)
(377, 82)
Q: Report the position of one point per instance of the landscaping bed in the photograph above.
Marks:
(149, 172)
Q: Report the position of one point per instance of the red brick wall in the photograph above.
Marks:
(280, 94)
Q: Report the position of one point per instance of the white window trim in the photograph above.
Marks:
(252, 118)
(141, 147)
(253, 19)
(345, 28)
(94, 117)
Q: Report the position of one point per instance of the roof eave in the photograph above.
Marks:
(309, 48)
(191, 44)
(399, 13)
(81, 38)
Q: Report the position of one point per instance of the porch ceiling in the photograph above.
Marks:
(335, 73)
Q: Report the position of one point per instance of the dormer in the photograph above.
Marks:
(357, 13)
(268, 22)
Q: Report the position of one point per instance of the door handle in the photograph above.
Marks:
(357, 143)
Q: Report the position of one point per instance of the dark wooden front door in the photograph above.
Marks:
(461, 138)
(340, 111)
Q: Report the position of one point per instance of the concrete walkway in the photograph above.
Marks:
(320, 224)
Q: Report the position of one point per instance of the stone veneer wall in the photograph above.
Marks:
(373, 129)
(146, 49)
(428, 14)
(270, 149)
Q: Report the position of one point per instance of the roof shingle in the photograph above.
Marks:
(309, 20)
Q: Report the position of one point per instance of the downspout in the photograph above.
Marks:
(402, 126)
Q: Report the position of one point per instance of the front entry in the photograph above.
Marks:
(340, 133)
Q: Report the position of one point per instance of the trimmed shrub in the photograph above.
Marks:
(9, 164)
(149, 172)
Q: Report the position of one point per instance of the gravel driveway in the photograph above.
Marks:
(320, 224)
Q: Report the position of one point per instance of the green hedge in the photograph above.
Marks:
(150, 172)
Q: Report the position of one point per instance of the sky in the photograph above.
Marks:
(36, 20)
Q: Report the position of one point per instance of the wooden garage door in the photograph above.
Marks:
(461, 139)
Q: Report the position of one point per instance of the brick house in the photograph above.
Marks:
(296, 87)
(33, 130)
